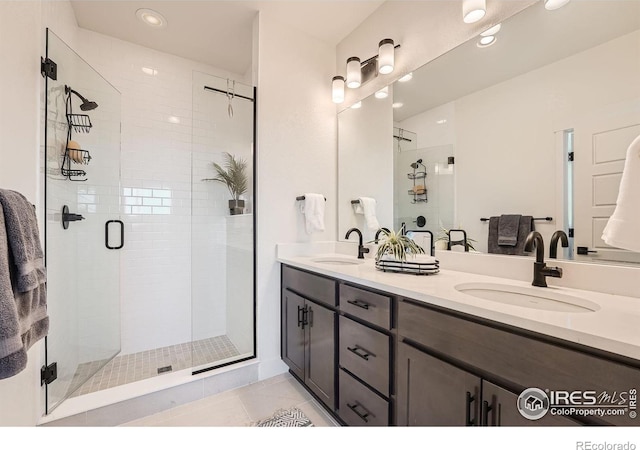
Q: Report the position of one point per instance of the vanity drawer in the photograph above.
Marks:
(311, 286)
(359, 405)
(366, 305)
(520, 358)
(365, 353)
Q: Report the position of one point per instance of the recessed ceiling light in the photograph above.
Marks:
(151, 17)
(487, 41)
(356, 105)
(398, 105)
(382, 93)
(550, 5)
(441, 121)
(150, 71)
(491, 31)
(174, 119)
(407, 77)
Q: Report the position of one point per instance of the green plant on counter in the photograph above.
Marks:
(397, 244)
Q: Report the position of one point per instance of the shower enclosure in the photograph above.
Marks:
(148, 272)
(423, 184)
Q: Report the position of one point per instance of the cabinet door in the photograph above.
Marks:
(293, 333)
(320, 374)
(499, 408)
(433, 392)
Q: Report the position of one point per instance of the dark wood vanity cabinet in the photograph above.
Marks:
(375, 359)
(365, 360)
(308, 331)
(460, 370)
(432, 392)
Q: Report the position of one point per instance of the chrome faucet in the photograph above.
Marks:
(553, 249)
(540, 269)
(361, 248)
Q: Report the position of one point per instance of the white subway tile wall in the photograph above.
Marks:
(156, 195)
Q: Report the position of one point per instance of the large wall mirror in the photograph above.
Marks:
(536, 122)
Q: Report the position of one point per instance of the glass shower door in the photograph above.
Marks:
(83, 227)
(222, 230)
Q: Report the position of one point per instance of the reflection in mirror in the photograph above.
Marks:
(538, 122)
(365, 166)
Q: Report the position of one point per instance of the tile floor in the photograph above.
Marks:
(242, 407)
(140, 366)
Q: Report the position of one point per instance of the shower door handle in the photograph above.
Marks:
(106, 234)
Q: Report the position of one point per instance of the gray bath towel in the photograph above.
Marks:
(525, 226)
(508, 226)
(24, 240)
(23, 315)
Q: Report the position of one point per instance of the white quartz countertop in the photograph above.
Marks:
(614, 327)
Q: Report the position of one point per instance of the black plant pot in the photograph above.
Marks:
(236, 207)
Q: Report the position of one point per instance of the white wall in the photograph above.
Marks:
(19, 168)
(296, 152)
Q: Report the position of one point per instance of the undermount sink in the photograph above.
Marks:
(528, 297)
(338, 260)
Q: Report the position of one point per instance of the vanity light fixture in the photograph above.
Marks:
(406, 78)
(337, 89)
(386, 56)
(473, 10)
(356, 105)
(382, 93)
(550, 5)
(354, 74)
(151, 17)
(360, 72)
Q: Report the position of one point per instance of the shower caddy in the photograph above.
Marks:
(419, 177)
(79, 123)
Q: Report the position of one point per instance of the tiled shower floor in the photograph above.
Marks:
(125, 369)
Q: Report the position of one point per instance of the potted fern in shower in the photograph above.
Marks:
(233, 175)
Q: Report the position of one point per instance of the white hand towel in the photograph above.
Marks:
(313, 209)
(368, 206)
(623, 228)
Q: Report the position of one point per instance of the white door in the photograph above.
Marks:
(600, 147)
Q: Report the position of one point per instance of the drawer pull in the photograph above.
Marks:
(364, 355)
(360, 304)
(469, 422)
(354, 408)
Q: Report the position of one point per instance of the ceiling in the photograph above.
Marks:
(529, 40)
(218, 33)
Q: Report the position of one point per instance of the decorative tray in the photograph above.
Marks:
(416, 268)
